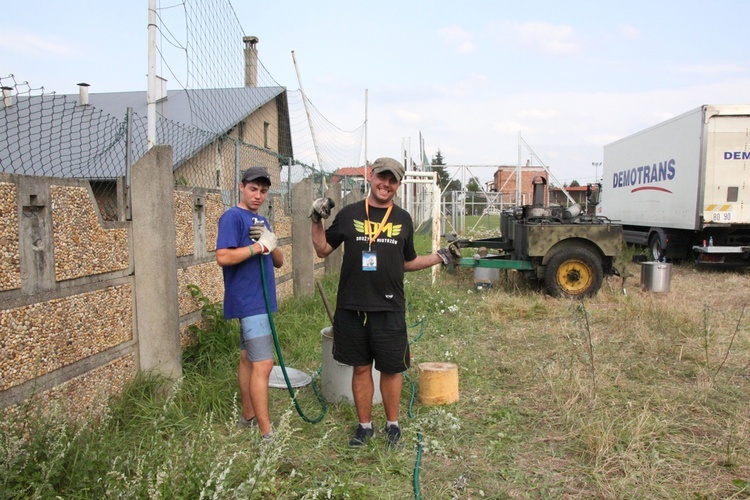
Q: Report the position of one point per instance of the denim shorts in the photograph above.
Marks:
(255, 337)
(361, 337)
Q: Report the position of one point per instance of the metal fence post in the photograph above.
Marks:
(235, 191)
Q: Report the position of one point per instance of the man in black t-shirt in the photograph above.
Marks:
(370, 320)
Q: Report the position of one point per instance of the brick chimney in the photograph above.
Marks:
(251, 61)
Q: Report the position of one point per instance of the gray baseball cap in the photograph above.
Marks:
(255, 173)
(388, 165)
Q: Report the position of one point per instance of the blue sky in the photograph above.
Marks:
(569, 76)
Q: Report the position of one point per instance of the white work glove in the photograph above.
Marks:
(321, 209)
(450, 255)
(261, 234)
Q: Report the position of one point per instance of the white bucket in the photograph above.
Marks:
(656, 276)
(336, 378)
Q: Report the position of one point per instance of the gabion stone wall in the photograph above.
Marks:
(183, 221)
(10, 262)
(214, 208)
(207, 277)
(43, 337)
(69, 339)
(85, 394)
(82, 247)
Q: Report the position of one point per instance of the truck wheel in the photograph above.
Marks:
(573, 272)
(657, 248)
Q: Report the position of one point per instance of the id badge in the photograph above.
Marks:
(369, 261)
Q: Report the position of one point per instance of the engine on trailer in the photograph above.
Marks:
(569, 250)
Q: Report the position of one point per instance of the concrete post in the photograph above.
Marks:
(303, 257)
(36, 252)
(155, 263)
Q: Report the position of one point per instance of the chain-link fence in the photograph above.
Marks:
(227, 114)
(48, 134)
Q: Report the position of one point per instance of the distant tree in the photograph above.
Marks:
(438, 158)
(574, 183)
(473, 185)
(454, 185)
(477, 202)
(443, 175)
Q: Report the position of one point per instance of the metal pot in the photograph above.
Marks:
(656, 276)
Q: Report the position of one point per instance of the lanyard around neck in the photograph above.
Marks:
(382, 223)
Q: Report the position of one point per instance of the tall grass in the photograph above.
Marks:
(625, 395)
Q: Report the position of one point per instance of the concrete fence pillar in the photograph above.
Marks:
(155, 263)
(303, 258)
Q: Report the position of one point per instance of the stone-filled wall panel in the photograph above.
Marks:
(43, 337)
(282, 224)
(214, 208)
(183, 221)
(285, 290)
(186, 337)
(86, 395)
(205, 276)
(10, 261)
(287, 267)
(81, 246)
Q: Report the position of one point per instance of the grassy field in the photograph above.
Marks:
(477, 226)
(630, 394)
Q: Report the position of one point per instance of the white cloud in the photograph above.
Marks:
(29, 43)
(712, 68)
(464, 88)
(509, 127)
(540, 37)
(567, 130)
(539, 114)
(457, 36)
(630, 32)
(466, 48)
(404, 116)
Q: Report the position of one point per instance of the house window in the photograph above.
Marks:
(266, 125)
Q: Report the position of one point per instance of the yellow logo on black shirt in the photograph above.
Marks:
(371, 228)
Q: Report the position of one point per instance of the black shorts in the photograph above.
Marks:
(361, 337)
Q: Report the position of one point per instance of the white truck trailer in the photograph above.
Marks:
(682, 187)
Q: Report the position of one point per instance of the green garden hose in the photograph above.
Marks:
(277, 346)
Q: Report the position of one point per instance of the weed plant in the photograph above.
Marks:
(628, 394)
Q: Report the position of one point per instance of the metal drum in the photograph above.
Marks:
(336, 378)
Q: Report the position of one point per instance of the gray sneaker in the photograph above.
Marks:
(361, 435)
(392, 436)
(267, 439)
(244, 423)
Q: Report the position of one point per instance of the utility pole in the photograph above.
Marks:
(596, 165)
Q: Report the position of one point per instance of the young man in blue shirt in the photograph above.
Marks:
(244, 239)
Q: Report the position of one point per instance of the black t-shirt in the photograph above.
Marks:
(381, 289)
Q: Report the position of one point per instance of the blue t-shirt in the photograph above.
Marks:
(243, 288)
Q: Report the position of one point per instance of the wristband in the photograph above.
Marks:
(252, 252)
(263, 249)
